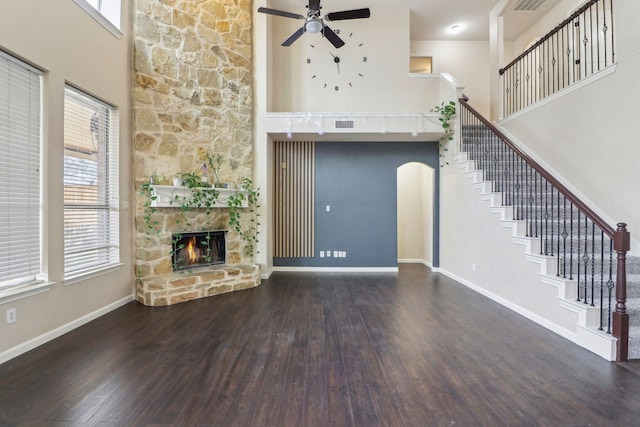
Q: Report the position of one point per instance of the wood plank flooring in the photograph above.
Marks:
(319, 349)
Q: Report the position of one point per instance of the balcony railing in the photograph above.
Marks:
(580, 46)
(586, 250)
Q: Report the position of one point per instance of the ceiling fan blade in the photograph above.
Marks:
(332, 37)
(295, 36)
(348, 14)
(314, 4)
(279, 13)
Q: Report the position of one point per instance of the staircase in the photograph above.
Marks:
(572, 245)
(633, 305)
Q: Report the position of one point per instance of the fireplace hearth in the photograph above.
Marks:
(198, 249)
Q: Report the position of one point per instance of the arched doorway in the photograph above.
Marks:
(416, 185)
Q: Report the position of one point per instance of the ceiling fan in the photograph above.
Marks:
(315, 22)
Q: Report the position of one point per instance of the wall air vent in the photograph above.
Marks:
(345, 124)
(527, 5)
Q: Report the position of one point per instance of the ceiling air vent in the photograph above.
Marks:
(527, 5)
(345, 124)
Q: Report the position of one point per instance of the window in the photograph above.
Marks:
(20, 150)
(91, 227)
(106, 12)
(420, 64)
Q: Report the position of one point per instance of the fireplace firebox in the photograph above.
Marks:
(198, 249)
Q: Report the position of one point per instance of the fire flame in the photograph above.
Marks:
(192, 255)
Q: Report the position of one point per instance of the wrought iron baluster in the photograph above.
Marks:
(585, 258)
(601, 302)
(578, 259)
(593, 263)
(610, 286)
(571, 243)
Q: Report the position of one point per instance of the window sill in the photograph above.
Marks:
(71, 280)
(19, 292)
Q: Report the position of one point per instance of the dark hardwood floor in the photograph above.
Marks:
(311, 349)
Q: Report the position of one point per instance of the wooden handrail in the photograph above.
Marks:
(595, 218)
(620, 237)
(549, 35)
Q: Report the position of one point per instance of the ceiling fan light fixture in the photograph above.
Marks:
(313, 25)
(455, 29)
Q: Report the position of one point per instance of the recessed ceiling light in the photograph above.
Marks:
(455, 29)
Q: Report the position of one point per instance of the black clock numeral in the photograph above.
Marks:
(308, 61)
(313, 77)
(350, 85)
(325, 85)
(364, 59)
(360, 74)
(337, 88)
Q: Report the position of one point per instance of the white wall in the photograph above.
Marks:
(476, 250)
(467, 61)
(548, 22)
(385, 86)
(415, 213)
(69, 46)
(589, 135)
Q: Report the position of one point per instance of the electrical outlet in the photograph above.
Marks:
(11, 315)
(321, 254)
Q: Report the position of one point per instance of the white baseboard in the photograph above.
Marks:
(339, 269)
(596, 343)
(415, 261)
(55, 333)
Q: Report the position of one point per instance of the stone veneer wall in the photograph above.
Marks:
(192, 95)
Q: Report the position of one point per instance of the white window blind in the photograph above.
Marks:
(91, 227)
(20, 148)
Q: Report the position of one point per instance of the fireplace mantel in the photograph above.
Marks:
(168, 196)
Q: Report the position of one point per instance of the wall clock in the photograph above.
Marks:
(338, 69)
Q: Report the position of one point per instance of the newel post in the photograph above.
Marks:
(621, 244)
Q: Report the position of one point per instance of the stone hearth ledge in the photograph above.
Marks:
(177, 287)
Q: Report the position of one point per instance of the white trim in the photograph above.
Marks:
(55, 333)
(20, 62)
(338, 269)
(563, 92)
(91, 274)
(15, 293)
(415, 261)
(100, 18)
(590, 340)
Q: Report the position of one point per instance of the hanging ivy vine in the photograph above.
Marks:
(447, 111)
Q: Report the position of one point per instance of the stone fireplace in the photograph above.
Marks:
(192, 97)
(198, 249)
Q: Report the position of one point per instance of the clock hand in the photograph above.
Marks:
(336, 59)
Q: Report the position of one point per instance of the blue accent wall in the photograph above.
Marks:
(358, 180)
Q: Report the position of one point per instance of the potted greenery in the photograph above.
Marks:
(214, 161)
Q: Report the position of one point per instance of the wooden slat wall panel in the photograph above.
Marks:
(294, 175)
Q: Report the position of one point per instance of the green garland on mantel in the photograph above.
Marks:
(206, 198)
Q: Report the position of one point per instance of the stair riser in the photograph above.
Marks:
(531, 198)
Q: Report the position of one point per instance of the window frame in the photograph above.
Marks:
(107, 173)
(36, 278)
(98, 14)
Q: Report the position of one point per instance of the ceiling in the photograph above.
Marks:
(431, 19)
